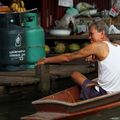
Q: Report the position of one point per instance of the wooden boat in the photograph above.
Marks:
(66, 104)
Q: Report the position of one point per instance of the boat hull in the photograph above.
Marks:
(66, 104)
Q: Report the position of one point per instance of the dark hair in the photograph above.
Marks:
(100, 26)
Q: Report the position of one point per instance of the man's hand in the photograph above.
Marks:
(41, 62)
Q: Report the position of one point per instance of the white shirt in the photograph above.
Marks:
(109, 70)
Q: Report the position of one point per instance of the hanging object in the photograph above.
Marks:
(115, 10)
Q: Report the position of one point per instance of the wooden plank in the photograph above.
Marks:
(29, 73)
(17, 81)
(66, 70)
(83, 36)
(18, 78)
(79, 37)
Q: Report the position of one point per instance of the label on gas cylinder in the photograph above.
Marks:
(17, 55)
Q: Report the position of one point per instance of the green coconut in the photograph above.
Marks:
(74, 47)
(60, 48)
(47, 49)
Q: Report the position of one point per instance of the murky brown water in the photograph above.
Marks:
(16, 106)
(111, 114)
(14, 111)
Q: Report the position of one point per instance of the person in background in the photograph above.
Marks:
(105, 53)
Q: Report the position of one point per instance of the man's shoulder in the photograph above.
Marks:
(100, 46)
(99, 43)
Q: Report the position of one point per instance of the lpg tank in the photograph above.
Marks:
(12, 43)
(34, 37)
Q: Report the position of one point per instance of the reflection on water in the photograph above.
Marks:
(14, 106)
(15, 110)
(20, 108)
(111, 114)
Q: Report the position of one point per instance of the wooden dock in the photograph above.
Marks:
(10, 82)
(19, 78)
(44, 77)
(50, 73)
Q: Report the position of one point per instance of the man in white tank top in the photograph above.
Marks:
(108, 57)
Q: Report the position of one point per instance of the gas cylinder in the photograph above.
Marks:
(12, 48)
(12, 44)
(34, 37)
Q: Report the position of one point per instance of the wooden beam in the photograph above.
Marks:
(43, 73)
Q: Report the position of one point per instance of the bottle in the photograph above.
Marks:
(71, 27)
(115, 10)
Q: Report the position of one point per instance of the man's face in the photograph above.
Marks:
(94, 35)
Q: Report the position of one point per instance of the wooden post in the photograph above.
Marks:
(43, 73)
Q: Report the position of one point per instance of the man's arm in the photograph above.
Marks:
(84, 52)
